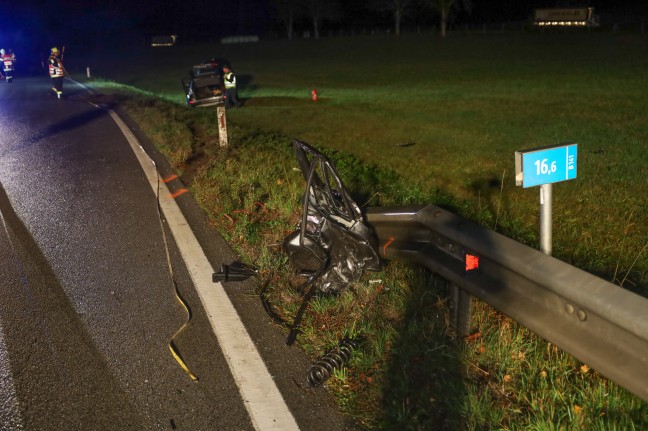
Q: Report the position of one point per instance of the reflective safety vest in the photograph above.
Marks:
(8, 60)
(55, 67)
(230, 80)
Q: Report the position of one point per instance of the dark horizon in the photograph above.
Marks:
(90, 24)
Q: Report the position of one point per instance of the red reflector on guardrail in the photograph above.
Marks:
(472, 262)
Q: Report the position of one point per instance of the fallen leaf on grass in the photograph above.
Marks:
(473, 337)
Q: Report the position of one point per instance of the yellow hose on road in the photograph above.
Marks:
(172, 346)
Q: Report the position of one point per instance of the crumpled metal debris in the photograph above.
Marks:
(332, 244)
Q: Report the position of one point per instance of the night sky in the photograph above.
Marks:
(118, 23)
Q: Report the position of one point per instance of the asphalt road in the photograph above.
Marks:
(90, 274)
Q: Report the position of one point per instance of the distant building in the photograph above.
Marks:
(157, 41)
(565, 17)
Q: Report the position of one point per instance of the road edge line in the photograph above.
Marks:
(261, 397)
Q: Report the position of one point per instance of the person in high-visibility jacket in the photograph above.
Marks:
(231, 98)
(8, 59)
(56, 72)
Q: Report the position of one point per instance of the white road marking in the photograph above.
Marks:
(10, 417)
(263, 401)
(9, 408)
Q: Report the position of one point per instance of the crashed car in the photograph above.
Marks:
(205, 86)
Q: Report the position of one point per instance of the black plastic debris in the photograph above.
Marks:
(235, 271)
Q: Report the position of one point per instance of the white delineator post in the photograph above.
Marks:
(222, 125)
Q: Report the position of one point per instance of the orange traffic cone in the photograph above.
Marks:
(314, 95)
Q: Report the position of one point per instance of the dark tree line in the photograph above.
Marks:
(290, 12)
(120, 22)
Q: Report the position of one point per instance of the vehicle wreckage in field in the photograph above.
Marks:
(205, 86)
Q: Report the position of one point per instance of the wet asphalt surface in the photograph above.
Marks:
(88, 296)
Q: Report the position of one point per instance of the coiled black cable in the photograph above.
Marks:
(334, 359)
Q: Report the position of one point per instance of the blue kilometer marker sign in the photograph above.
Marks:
(545, 165)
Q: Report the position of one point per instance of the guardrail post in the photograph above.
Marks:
(461, 311)
(222, 125)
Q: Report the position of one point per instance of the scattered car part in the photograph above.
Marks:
(332, 234)
(332, 246)
(335, 359)
(235, 271)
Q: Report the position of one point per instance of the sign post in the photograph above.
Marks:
(546, 224)
(543, 167)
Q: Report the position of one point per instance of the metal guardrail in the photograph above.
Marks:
(597, 322)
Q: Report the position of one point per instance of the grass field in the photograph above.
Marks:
(414, 120)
